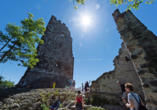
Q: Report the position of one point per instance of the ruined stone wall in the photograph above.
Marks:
(142, 47)
(124, 71)
(55, 55)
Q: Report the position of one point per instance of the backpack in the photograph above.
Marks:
(140, 105)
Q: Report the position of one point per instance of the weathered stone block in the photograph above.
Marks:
(141, 72)
(147, 58)
(152, 55)
(153, 83)
(145, 85)
(155, 90)
(150, 47)
(146, 65)
(134, 56)
(151, 51)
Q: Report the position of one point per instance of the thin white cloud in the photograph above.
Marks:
(86, 59)
(38, 7)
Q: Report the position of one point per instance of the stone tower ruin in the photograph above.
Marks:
(55, 58)
(140, 46)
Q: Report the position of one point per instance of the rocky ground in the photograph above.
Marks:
(40, 99)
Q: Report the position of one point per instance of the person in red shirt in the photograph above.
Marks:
(79, 103)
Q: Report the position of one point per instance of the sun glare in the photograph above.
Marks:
(85, 20)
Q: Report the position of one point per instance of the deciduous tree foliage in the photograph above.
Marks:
(131, 3)
(5, 83)
(19, 42)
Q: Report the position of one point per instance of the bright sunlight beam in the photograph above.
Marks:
(85, 20)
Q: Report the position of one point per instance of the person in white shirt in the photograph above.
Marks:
(133, 104)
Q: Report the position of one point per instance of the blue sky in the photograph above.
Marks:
(94, 46)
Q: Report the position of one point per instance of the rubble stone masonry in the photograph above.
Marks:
(139, 45)
(56, 58)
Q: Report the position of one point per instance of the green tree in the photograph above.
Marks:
(131, 3)
(20, 41)
(5, 83)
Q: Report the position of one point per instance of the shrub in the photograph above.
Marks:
(61, 105)
(43, 107)
(56, 92)
(95, 100)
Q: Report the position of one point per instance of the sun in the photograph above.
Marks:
(85, 20)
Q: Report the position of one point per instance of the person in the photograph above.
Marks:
(79, 103)
(71, 83)
(132, 98)
(82, 86)
(54, 84)
(86, 87)
(55, 105)
(124, 93)
(74, 84)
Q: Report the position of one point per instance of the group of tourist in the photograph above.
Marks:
(131, 99)
(71, 84)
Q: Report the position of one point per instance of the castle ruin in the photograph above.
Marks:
(140, 46)
(55, 58)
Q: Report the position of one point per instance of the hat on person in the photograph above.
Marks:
(118, 81)
(51, 107)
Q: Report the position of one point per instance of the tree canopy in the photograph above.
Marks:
(5, 83)
(131, 3)
(19, 42)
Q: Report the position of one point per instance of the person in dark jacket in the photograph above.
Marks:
(55, 105)
(86, 86)
(124, 93)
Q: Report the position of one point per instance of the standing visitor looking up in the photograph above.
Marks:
(134, 100)
(124, 94)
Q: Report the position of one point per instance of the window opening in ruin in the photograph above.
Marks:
(127, 59)
(62, 34)
(56, 64)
